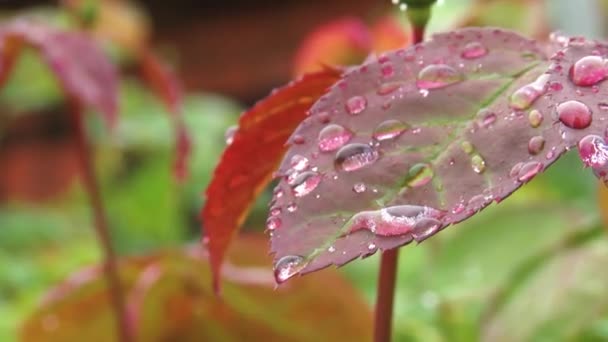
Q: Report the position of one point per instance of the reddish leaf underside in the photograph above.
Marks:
(248, 162)
(164, 83)
(169, 299)
(84, 72)
(408, 144)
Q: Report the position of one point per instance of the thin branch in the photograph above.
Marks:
(383, 323)
(91, 186)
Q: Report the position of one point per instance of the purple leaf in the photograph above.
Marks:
(410, 143)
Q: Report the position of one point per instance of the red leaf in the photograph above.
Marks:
(247, 164)
(164, 83)
(84, 72)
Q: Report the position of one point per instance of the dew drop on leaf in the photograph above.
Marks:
(574, 114)
(425, 228)
(467, 147)
(299, 163)
(356, 105)
(486, 117)
(273, 223)
(389, 129)
(535, 117)
(355, 156)
(593, 151)
(359, 187)
(229, 134)
(478, 163)
(588, 71)
(419, 174)
(392, 221)
(536, 145)
(388, 88)
(287, 267)
(292, 207)
(437, 76)
(474, 50)
(528, 170)
(332, 137)
(305, 182)
(523, 97)
(371, 246)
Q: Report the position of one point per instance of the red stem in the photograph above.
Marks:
(418, 34)
(385, 295)
(89, 181)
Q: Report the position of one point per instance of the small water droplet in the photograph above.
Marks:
(593, 151)
(305, 182)
(389, 129)
(523, 97)
(273, 223)
(602, 106)
(355, 156)
(467, 147)
(323, 117)
(275, 211)
(359, 187)
(536, 144)
(458, 208)
(388, 88)
(298, 139)
(356, 105)
(287, 267)
(299, 163)
(588, 71)
(535, 118)
(478, 163)
(473, 50)
(292, 207)
(528, 170)
(486, 117)
(371, 246)
(574, 114)
(332, 137)
(419, 175)
(437, 76)
(387, 70)
(229, 134)
(331, 249)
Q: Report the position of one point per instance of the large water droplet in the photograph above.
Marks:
(389, 129)
(419, 174)
(356, 105)
(332, 137)
(588, 71)
(478, 163)
(523, 97)
(593, 151)
(355, 156)
(287, 267)
(473, 50)
(396, 220)
(437, 76)
(299, 163)
(305, 182)
(535, 118)
(229, 134)
(529, 170)
(574, 114)
(536, 144)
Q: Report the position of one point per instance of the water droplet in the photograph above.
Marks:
(305, 182)
(323, 117)
(424, 228)
(371, 246)
(437, 76)
(536, 144)
(356, 105)
(515, 170)
(396, 220)
(275, 211)
(535, 118)
(467, 147)
(389, 129)
(593, 151)
(478, 164)
(387, 70)
(299, 163)
(332, 137)
(419, 175)
(588, 71)
(602, 106)
(229, 134)
(273, 223)
(359, 187)
(458, 208)
(292, 207)
(388, 88)
(574, 114)
(473, 50)
(529, 170)
(298, 139)
(487, 117)
(287, 267)
(355, 156)
(331, 249)
(523, 97)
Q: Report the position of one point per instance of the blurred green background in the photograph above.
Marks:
(531, 268)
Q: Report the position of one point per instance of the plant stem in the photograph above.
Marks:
(385, 295)
(91, 186)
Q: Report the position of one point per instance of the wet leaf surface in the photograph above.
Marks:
(90, 79)
(254, 151)
(170, 299)
(461, 140)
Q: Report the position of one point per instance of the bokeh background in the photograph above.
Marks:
(531, 268)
